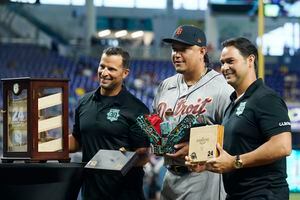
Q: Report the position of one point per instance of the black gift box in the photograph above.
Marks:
(112, 161)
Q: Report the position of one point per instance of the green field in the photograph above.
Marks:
(294, 196)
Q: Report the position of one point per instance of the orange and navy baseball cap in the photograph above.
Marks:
(188, 34)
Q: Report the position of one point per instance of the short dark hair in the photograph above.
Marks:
(206, 60)
(245, 47)
(119, 51)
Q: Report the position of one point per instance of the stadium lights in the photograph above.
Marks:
(137, 34)
(104, 33)
(24, 1)
(122, 33)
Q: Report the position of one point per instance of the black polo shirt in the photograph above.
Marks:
(104, 122)
(249, 122)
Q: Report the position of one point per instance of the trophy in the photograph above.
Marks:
(35, 116)
(164, 139)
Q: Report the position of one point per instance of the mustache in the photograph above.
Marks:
(178, 60)
(227, 71)
(105, 78)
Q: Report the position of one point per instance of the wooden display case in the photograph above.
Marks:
(35, 119)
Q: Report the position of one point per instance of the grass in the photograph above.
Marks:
(294, 196)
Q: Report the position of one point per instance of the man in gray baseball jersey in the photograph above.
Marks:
(194, 89)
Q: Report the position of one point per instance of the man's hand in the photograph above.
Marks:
(223, 163)
(73, 144)
(143, 154)
(194, 167)
(182, 150)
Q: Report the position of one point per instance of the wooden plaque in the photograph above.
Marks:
(203, 141)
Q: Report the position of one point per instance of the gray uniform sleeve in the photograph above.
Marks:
(157, 97)
(223, 101)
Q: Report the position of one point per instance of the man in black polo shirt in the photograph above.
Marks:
(105, 119)
(257, 135)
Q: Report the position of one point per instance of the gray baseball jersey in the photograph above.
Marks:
(210, 97)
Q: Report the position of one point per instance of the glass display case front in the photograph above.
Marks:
(17, 119)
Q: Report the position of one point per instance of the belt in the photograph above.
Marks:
(178, 169)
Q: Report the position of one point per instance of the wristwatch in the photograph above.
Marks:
(238, 163)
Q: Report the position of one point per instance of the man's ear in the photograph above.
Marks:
(125, 73)
(203, 50)
(251, 59)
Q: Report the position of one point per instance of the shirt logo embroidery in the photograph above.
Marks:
(240, 109)
(284, 123)
(113, 115)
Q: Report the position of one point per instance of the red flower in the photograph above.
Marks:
(155, 120)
